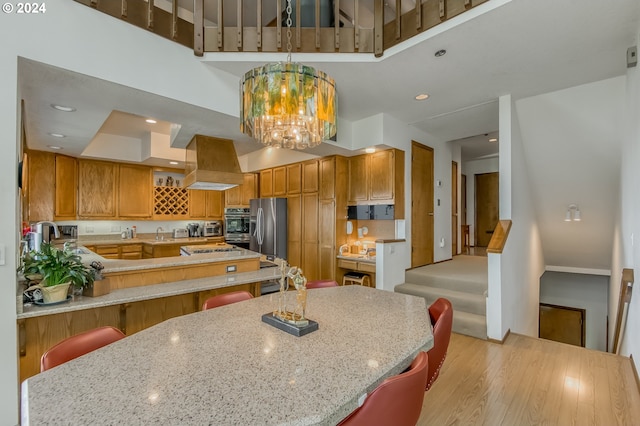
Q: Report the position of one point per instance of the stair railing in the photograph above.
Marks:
(357, 26)
(624, 299)
(499, 237)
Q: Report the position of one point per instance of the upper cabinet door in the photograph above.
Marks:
(197, 204)
(358, 178)
(310, 176)
(66, 182)
(294, 178)
(266, 183)
(381, 175)
(328, 178)
(279, 181)
(41, 167)
(135, 191)
(249, 188)
(97, 189)
(214, 203)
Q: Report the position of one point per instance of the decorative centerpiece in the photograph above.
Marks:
(292, 321)
(55, 270)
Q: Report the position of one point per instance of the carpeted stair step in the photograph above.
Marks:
(470, 324)
(472, 278)
(461, 301)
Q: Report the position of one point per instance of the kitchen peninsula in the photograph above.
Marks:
(225, 366)
(143, 293)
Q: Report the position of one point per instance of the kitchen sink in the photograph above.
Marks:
(80, 250)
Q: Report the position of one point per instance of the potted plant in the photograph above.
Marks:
(57, 270)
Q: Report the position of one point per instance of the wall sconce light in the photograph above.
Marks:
(573, 214)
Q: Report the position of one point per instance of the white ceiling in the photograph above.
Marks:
(521, 47)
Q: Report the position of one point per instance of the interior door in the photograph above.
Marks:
(487, 213)
(421, 204)
(562, 324)
(454, 208)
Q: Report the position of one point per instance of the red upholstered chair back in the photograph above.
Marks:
(441, 314)
(226, 299)
(78, 345)
(321, 283)
(397, 401)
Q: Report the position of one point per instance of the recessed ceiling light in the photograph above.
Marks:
(57, 135)
(150, 121)
(173, 162)
(440, 53)
(370, 150)
(421, 97)
(63, 108)
(493, 140)
(54, 147)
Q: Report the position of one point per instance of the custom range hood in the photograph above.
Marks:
(211, 163)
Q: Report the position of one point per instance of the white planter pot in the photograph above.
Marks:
(55, 293)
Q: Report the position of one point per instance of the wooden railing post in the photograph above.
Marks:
(378, 28)
(198, 26)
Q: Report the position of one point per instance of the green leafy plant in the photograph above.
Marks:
(56, 267)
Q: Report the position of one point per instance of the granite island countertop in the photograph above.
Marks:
(118, 265)
(148, 292)
(225, 366)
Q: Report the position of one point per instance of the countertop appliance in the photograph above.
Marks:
(194, 230)
(189, 250)
(180, 233)
(212, 229)
(236, 230)
(268, 227)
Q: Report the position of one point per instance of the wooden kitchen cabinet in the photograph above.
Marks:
(358, 179)
(204, 204)
(97, 186)
(310, 176)
(378, 178)
(135, 191)
(240, 195)
(280, 181)
(310, 249)
(170, 203)
(66, 201)
(266, 183)
(131, 251)
(111, 251)
(41, 187)
(294, 178)
(382, 175)
(294, 230)
(327, 239)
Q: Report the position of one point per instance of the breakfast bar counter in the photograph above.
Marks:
(225, 366)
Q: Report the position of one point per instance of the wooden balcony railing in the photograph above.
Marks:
(499, 237)
(326, 26)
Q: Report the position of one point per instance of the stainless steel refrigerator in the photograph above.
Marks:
(268, 227)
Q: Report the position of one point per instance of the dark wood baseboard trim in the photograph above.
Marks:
(500, 342)
(635, 372)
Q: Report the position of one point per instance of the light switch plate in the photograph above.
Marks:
(3, 250)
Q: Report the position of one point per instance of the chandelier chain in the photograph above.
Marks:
(289, 23)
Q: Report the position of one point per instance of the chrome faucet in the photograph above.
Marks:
(159, 237)
(36, 237)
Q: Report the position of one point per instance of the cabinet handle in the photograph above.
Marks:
(430, 213)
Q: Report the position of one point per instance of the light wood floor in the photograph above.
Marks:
(528, 381)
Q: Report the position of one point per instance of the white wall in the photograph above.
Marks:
(470, 169)
(400, 135)
(630, 211)
(521, 264)
(583, 291)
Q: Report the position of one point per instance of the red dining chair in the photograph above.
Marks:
(226, 299)
(78, 345)
(321, 283)
(441, 314)
(397, 401)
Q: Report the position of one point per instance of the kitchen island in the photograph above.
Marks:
(225, 366)
(143, 293)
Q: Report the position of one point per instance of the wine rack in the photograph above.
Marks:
(170, 202)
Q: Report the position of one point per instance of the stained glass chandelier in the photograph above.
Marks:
(287, 104)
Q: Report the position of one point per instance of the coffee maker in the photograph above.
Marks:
(194, 230)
